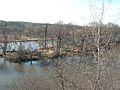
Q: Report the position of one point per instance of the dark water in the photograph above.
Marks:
(11, 71)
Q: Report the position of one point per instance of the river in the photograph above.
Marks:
(27, 45)
(11, 71)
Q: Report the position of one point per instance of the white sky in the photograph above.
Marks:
(51, 11)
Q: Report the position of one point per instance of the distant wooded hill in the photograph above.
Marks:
(19, 26)
(33, 29)
(66, 31)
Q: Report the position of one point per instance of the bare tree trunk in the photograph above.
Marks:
(58, 43)
(46, 29)
(73, 36)
(59, 37)
(100, 63)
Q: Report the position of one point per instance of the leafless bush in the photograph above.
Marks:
(31, 83)
(76, 75)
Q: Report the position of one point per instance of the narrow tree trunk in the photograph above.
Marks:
(46, 28)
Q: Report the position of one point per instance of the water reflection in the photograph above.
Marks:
(19, 68)
(11, 71)
(3, 66)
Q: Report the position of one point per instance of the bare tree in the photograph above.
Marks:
(70, 35)
(59, 35)
(45, 36)
(101, 38)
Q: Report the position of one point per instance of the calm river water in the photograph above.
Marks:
(11, 71)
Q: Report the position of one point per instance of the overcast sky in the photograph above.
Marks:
(52, 11)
